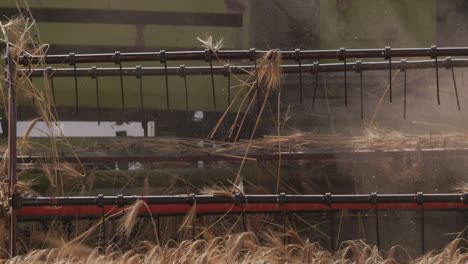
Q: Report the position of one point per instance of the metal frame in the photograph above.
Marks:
(100, 206)
(209, 204)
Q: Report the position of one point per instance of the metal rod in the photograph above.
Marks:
(257, 87)
(343, 58)
(104, 233)
(423, 232)
(437, 81)
(448, 65)
(186, 93)
(166, 78)
(332, 231)
(243, 69)
(96, 79)
(31, 80)
(245, 54)
(298, 59)
(141, 93)
(358, 69)
(53, 90)
(76, 87)
(213, 89)
(228, 76)
(315, 72)
(12, 118)
(403, 69)
(362, 96)
(387, 55)
(122, 96)
(282, 200)
(390, 79)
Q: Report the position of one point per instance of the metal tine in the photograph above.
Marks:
(31, 80)
(208, 59)
(373, 199)
(359, 70)
(420, 201)
(182, 72)
(193, 202)
(448, 66)
(163, 60)
(253, 57)
(49, 75)
(331, 217)
(158, 227)
(139, 75)
(72, 62)
(228, 76)
(94, 75)
(118, 62)
(434, 56)
(124, 244)
(403, 69)
(193, 227)
(298, 59)
(184, 75)
(388, 56)
(342, 56)
(315, 71)
(103, 225)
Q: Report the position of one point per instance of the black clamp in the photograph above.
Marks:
(252, 54)
(315, 68)
(448, 63)
(93, 72)
(138, 71)
(373, 198)
(25, 59)
(403, 65)
(207, 55)
(433, 51)
(117, 57)
(282, 198)
(191, 200)
(419, 198)
(16, 201)
(182, 71)
(162, 56)
(327, 198)
(358, 66)
(388, 53)
(237, 198)
(297, 55)
(71, 58)
(100, 200)
(342, 54)
(227, 69)
(120, 201)
(465, 197)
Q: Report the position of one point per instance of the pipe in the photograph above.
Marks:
(246, 54)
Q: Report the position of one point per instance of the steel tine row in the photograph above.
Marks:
(227, 70)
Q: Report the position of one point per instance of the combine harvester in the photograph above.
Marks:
(327, 144)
